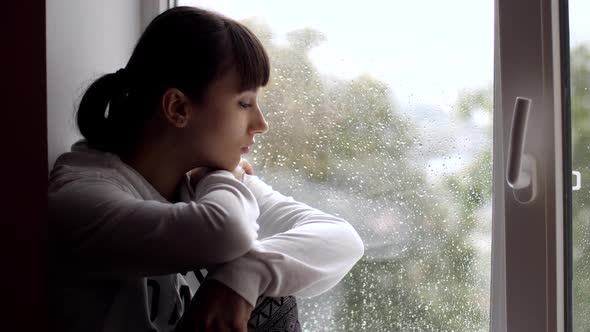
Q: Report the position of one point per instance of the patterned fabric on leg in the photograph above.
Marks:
(275, 314)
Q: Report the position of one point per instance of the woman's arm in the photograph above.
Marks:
(103, 230)
(302, 251)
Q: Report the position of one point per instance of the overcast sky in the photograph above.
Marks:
(426, 50)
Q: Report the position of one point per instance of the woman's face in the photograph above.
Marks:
(225, 123)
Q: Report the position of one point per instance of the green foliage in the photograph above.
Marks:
(473, 100)
(580, 114)
(421, 271)
(349, 136)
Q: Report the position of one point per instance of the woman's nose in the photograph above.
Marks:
(259, 124)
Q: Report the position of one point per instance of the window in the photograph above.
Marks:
(384, 113)
(580, 123)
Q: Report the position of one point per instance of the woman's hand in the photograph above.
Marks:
(243, 167)
(198, 173)
(216, 307)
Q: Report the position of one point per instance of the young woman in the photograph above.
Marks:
(157, 196)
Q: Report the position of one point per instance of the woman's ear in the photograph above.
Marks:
(175, 107)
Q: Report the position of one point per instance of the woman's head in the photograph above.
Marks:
(188, 64)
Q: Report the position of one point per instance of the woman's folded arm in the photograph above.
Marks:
(302, 251)
(106, 231)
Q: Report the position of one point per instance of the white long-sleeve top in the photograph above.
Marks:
(120, 252)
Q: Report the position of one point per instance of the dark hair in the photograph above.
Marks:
(185, 48)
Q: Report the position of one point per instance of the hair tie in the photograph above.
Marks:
(120, 90)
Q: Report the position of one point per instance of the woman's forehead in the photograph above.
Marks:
(230, 82)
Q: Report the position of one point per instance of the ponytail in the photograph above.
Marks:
(95, 116)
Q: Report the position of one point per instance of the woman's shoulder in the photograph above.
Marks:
(83, 164)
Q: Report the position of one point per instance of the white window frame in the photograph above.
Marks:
(528, 239)
(151, 8)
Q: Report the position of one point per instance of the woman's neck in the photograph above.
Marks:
(154, 163)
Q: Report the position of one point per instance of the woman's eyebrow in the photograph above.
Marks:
(253, 90)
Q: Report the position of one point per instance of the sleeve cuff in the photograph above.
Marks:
(245, 276)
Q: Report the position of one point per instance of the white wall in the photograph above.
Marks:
(85, 39)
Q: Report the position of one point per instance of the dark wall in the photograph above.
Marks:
(23, 143)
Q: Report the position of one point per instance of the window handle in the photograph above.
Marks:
(578, 176)
(521, 171)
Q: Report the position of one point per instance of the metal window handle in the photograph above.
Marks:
(521, 170)
(578, 176)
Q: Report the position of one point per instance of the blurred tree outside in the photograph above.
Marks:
(345, 147)
(580, 121)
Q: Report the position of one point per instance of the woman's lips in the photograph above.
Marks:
(245, 149)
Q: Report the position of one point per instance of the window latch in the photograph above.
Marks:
(521, 171)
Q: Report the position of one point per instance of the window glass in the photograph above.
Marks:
(580, 117)
(381, 112)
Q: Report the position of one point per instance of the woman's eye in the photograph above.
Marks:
(244, 104)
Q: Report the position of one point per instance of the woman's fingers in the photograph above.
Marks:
(239, 173)
(245, 164)
(244, 167)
